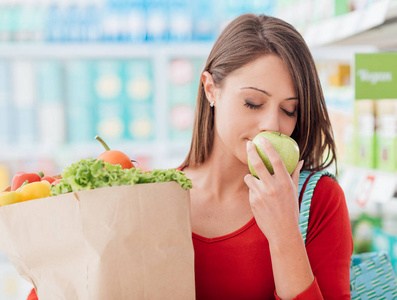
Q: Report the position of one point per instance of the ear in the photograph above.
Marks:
(209, 86)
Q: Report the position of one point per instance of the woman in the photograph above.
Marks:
(260, 76)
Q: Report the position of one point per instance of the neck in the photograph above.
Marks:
(221, 175)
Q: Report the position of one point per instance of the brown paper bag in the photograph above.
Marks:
(125, 242)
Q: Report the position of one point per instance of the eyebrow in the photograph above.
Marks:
(264, 92)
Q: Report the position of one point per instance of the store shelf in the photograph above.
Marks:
(102, 50)
(383, 36)
(340, 54)
(162, 150)
(13, 286)
(165, 152)
(375, 25)
(369, 190)
(85, 149)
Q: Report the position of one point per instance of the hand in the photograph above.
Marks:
(273, 198)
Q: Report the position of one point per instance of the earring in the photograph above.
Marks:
(212, 103)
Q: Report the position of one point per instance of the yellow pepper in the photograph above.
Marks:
(46, 182)
(9, 198)
(35, 190)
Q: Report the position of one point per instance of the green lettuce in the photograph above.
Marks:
(91, 173)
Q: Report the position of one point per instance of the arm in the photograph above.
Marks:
(291, 268)
(274, 203)
(329, 243)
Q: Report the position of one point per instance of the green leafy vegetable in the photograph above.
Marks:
(91, 173)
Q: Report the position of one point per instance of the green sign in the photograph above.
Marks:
(376, 76)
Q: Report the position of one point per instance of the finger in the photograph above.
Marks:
(254, 186)
(296, 173)
(251, 182)
(275, 159)
(257, 163)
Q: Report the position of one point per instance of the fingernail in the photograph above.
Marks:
(249, 144)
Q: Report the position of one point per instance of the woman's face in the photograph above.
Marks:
(259, 96)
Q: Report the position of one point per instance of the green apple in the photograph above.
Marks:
(286, 147)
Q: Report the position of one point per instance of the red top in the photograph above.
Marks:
(238, 265)
(32, 295)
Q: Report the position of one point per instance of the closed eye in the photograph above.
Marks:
(288, 113)
(252, 106)
(259, 106)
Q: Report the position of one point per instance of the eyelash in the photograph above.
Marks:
(252, 106)
(256, 107)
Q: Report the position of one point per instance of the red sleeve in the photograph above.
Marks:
(329, 243)
(32, 295)
(312, 292)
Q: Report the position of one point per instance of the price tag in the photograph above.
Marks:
(364, 190)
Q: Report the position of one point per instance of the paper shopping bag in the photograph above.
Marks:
(124, 242)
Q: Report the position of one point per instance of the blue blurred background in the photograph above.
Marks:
(128, 71)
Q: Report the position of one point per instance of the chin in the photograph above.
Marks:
(243, 158)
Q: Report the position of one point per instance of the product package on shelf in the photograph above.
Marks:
(5, 104)
(339, 98)
(79, 101)
(138, 100)
(376, 110)
(134, 21)
(25, 101)
(365, 133)
(182, 95)
(386, 135)
(108, 93)
(51, 111)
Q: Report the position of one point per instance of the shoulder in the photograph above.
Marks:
(329, 214)
(328, 199)
(328, 188)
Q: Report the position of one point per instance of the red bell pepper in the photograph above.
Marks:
(48, 178)
(21, 177)
(55, 182)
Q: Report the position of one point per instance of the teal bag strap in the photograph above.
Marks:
(371, 274)
(307, 197)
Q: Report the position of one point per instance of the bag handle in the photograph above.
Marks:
(307, 196)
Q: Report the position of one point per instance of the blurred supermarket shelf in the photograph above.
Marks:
(374, 25)
(166, 155)
(57, 97)
(124, 51)
(341, 53)
(13, 286)
(369, 190)
(159, 52)
(102, 50)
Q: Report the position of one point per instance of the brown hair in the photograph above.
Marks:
(245, 39)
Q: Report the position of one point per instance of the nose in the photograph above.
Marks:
(269, 121)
